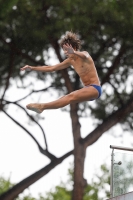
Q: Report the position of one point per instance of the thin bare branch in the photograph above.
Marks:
(43, 151)
(33, 91)
(31, 117)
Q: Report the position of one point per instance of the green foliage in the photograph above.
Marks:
(64, 190)
(5, 184)
(29, 197)
(58, 193)
(6, 6)
(104, 27)
(96, 190)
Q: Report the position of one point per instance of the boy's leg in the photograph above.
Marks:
(39, 107)
(84, 94)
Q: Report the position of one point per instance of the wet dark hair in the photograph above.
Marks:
(71, 38)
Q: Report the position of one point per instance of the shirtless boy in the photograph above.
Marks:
(85, 68)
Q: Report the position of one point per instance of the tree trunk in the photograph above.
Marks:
(79, 182)
(79, 156)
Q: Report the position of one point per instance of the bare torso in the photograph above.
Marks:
(85, 68)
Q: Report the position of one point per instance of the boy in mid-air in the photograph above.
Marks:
(85, 68)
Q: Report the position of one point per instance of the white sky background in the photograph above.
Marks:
(20, 157)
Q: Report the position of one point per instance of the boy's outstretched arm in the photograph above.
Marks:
(59, 66)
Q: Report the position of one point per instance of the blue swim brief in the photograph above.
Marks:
(98, 88)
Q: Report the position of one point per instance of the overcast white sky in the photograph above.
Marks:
(20, 157)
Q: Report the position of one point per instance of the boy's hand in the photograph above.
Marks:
(68, 48)
(26, 67)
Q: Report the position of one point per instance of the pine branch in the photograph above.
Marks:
(18, 51)
(114, 65)
(109, 122)
(105, 44)
(117, 94)
(9, 74)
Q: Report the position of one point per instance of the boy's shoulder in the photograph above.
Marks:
(86, 54)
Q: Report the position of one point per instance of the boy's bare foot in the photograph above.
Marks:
(35, 107)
